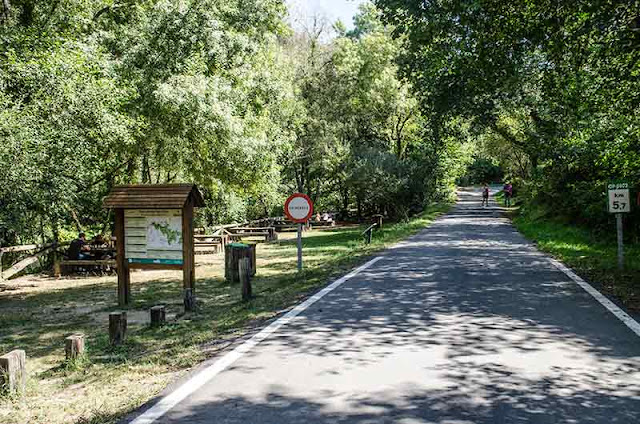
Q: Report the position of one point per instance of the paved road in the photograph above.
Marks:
(463, 323)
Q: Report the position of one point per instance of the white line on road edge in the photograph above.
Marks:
(615, 310)
(203, 377)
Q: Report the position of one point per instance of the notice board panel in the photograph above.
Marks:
(153, 236)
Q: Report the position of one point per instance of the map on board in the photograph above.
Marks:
(153, 236)
(164, 233)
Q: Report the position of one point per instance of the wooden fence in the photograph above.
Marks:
(214, 242)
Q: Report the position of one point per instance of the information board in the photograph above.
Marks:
(619, 197)
(153, 236)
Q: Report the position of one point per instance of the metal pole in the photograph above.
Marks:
(620, 243)
(299, 247)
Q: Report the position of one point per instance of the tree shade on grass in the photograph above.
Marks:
(110, 381)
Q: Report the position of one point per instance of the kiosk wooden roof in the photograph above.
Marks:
(159, 196)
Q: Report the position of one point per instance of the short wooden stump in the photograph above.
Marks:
(74, 346)
(13, 372)
(117, 327)
(158, 315)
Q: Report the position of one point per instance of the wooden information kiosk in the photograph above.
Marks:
(154, 230)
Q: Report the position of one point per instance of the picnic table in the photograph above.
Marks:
(204, 243)
(100, 260)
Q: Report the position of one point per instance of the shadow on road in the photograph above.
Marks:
(490, 330)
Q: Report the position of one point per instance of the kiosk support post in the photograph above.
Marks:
(122, 267)
(188, 258)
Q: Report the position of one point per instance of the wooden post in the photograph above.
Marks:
(244, 268)
(228, 266)
(74, 346)
(57, 269)
(379, 221)
(233, 252)
(117, 327)
(122, 267)
(158, 316)
(13, 372)
(188, 258)
(252, 258)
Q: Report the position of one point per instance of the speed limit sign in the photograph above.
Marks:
(619, 197)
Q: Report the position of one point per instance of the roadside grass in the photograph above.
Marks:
(108, 382)
(594, 258)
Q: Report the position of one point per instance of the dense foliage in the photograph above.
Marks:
(222, 93)
(550, 89)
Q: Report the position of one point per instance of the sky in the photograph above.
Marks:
(301, 10)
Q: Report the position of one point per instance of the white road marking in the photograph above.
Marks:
(203, 377)
(611, 307)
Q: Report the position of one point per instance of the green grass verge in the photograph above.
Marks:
(111, 381)
(594, 258)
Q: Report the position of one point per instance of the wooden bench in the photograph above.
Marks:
(247, 234)
(269, 233)
(285, 227)
(100, 264)
(202, 248)
(209, 243)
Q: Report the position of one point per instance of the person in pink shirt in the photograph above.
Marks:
(508, 193)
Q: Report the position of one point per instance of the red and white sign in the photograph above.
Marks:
(298, 208)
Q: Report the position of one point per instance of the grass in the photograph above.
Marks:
(37, 313)
(593, 258)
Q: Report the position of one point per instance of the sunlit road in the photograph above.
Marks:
(464, 323)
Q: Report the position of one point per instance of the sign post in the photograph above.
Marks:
(299, 208)
(619, 203)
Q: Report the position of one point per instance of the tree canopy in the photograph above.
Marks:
(225, 94)
(551, 89)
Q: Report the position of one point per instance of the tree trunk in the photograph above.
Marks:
(26, 17)
(76, 221)
(345, 202)
(6, 9)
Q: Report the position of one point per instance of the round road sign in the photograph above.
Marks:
(298, 207)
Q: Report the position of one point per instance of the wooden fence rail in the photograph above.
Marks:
(42, 250)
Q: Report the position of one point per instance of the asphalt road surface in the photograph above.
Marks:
(463, 323)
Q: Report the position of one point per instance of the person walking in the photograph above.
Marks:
(508, 194)
(485, 195)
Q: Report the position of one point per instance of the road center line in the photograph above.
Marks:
(611, 307)
(203, 377)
